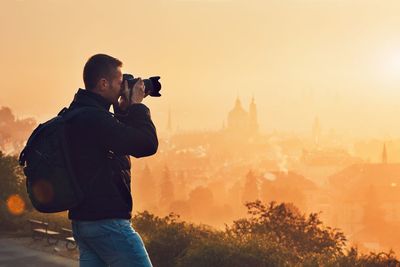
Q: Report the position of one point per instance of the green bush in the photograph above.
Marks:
(273, 235)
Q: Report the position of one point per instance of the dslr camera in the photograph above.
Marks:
(152, 85)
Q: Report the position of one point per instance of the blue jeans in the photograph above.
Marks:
(109, 242)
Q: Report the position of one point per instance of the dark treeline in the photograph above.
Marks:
(13, 131)
(272, 235)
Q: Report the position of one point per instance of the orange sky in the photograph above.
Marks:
(339, 60)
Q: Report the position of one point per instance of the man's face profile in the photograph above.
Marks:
(112, 86)
(115, 85)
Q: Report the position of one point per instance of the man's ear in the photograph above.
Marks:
(103, 83)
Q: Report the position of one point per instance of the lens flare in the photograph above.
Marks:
(15, 204)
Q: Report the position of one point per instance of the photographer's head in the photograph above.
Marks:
(102, 75)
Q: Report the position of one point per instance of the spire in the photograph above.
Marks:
(384, 154)
(238, 104)
(252, 104)
(253, 121)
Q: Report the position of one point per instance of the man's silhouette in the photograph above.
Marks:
(100, 144)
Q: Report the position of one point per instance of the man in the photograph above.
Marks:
(100, 143)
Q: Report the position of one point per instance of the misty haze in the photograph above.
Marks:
(277, 115)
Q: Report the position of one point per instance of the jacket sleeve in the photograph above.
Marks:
(129, 133)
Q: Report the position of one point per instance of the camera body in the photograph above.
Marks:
(152, 85)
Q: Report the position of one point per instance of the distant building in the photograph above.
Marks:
(367, 200)
(327, 156)
(241, 121)
(352, 183)
(288, 186)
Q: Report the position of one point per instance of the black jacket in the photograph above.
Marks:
(100, 143)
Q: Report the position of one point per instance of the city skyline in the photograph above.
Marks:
(338, 60)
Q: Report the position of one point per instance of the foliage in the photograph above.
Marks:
(12, 182)
(272, 234)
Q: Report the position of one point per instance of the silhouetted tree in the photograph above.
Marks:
(250, 190)
(234, 198)
(274, 235)
(201, 201)
(283, 223)
(166, 190)
(13, 131)
(12, 179)
(373, 215)
(181, 186)
(12, 182)
(145, 190)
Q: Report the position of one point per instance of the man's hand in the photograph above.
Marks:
(136, 97)
(138, 92)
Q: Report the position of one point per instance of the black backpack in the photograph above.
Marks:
(50, 181)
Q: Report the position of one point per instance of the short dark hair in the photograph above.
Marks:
(97, 67)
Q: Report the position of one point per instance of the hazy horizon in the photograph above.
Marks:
(338, 60)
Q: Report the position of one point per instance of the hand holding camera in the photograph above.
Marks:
(137, 93)
(135, 89)
(131, 96)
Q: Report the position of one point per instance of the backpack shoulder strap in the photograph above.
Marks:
(68, 113)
